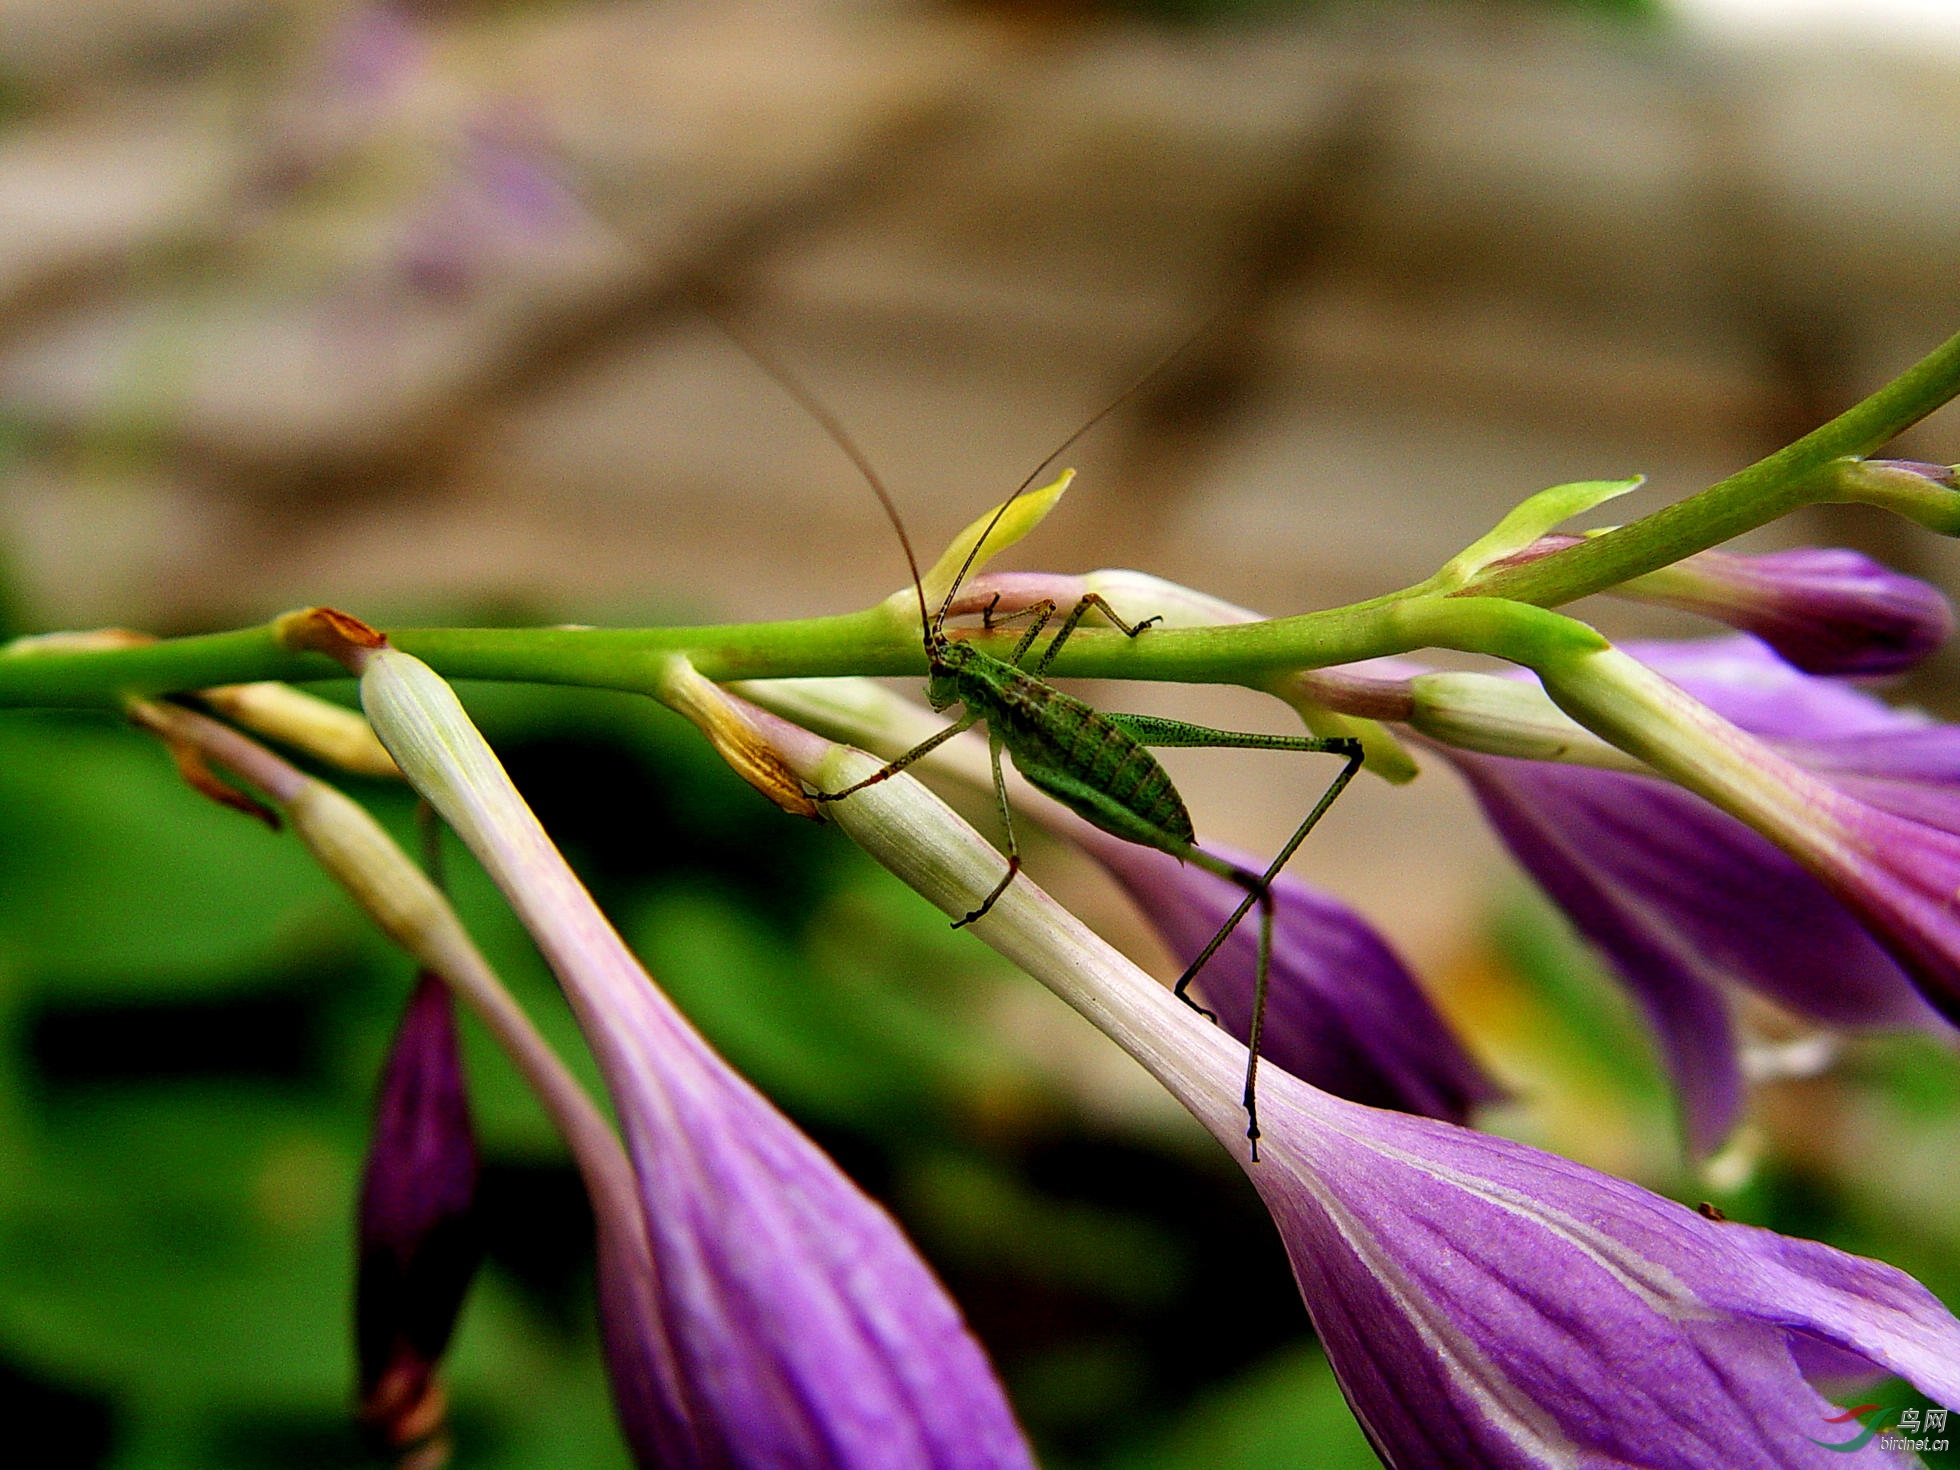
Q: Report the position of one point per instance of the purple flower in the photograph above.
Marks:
(1486, 1304)
(1827, 610)
(1684, 899)
(1862, 795)
(1343, 1011)
(785, 1320)
(419, 1244)
(370, 57)
(1482, 1303)
(508, 197)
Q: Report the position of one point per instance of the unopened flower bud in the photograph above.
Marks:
(419, 1240)
(1497, 716)
(330, 731)
(1827, 610)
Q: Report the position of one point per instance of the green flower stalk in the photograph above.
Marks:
(1823, 465)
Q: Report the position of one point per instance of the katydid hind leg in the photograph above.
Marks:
(1265, 970)
(1258, 886)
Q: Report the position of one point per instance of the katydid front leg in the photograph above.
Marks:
(924, 747)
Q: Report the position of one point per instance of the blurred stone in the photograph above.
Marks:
(364, 310)
(49, 46)
(83, 192)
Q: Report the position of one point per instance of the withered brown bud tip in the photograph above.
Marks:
(340, 636)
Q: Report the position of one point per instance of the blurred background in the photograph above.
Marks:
(388, 306)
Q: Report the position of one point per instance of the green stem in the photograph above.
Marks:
(868, 642)
(1753, 497)
(1499, 613)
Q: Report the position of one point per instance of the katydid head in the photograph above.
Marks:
(945, 659)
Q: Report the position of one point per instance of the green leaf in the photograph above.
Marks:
(1287, 1411)
(1525, 524)
(1019, 516)
(112, 869)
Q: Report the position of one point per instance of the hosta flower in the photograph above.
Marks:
(421, 1156)
(1343, 1011)
(1855, 792)
(791, 1323)
(1684, 899)
(419, 1243)
(1825, 609)
(1483, 1304)
(1487, 1304)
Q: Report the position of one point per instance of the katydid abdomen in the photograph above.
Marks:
(1067, 749)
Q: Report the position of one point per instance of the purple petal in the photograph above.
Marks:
(419, 1245)
(1682, 899)
(779, 1317)
(1911, 772)
(517, 180)
(1486, 1304)
(1343, 1011)
(1888, 782)
(1745, 682)
(809, 1331)
(1901, 877)
(1827, 610)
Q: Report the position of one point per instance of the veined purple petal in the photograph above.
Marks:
(1745, 682)
(1901, 876)
(787, 1321)
(1485, 1304)
(1684, 899)
(1343, 1011)
(810, 1332)
(1887, 782)
(419, 1244)
(1827, 610)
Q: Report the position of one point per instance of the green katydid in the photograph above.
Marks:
(1094, 762)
